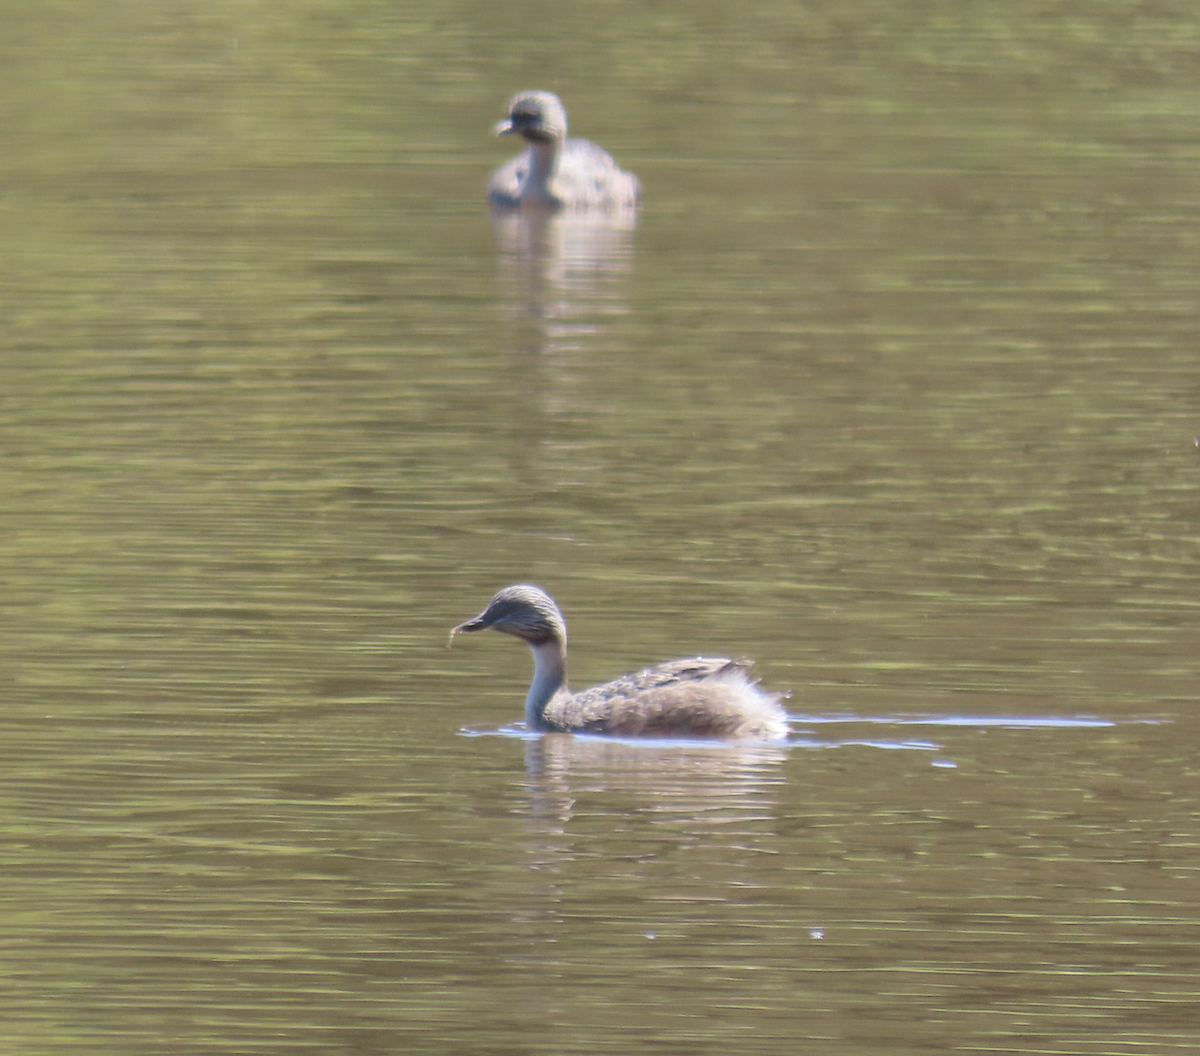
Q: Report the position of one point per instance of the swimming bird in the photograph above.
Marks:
(703, 697)
(556, 172)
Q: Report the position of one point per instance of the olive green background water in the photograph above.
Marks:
(894, 386)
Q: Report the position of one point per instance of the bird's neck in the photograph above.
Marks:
(549, 676)
(543, 166)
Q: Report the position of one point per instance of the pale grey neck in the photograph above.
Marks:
(549, 676)
(543, 165)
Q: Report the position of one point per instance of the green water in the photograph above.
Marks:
(893, 387)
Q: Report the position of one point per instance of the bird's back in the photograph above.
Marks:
(696, 697)
(588, 177)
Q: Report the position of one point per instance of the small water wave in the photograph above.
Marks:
(1014, 722)
(519, 731)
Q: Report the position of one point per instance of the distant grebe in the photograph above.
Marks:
(556, 172)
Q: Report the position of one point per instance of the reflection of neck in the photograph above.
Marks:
(549, 676)
(543, 165)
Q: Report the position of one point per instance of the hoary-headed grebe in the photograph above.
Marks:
(701, 697)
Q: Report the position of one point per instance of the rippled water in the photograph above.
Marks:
(892, 385)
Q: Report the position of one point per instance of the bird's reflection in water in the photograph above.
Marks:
(561, 270)
(683, 779)
(652, 795)
(563, 285)
(641, 833)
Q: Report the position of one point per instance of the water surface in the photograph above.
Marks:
(891, 385)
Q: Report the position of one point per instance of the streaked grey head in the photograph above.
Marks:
(538, 116)
(526, 612)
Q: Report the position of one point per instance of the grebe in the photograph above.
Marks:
(702, 697)
(556, 172)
